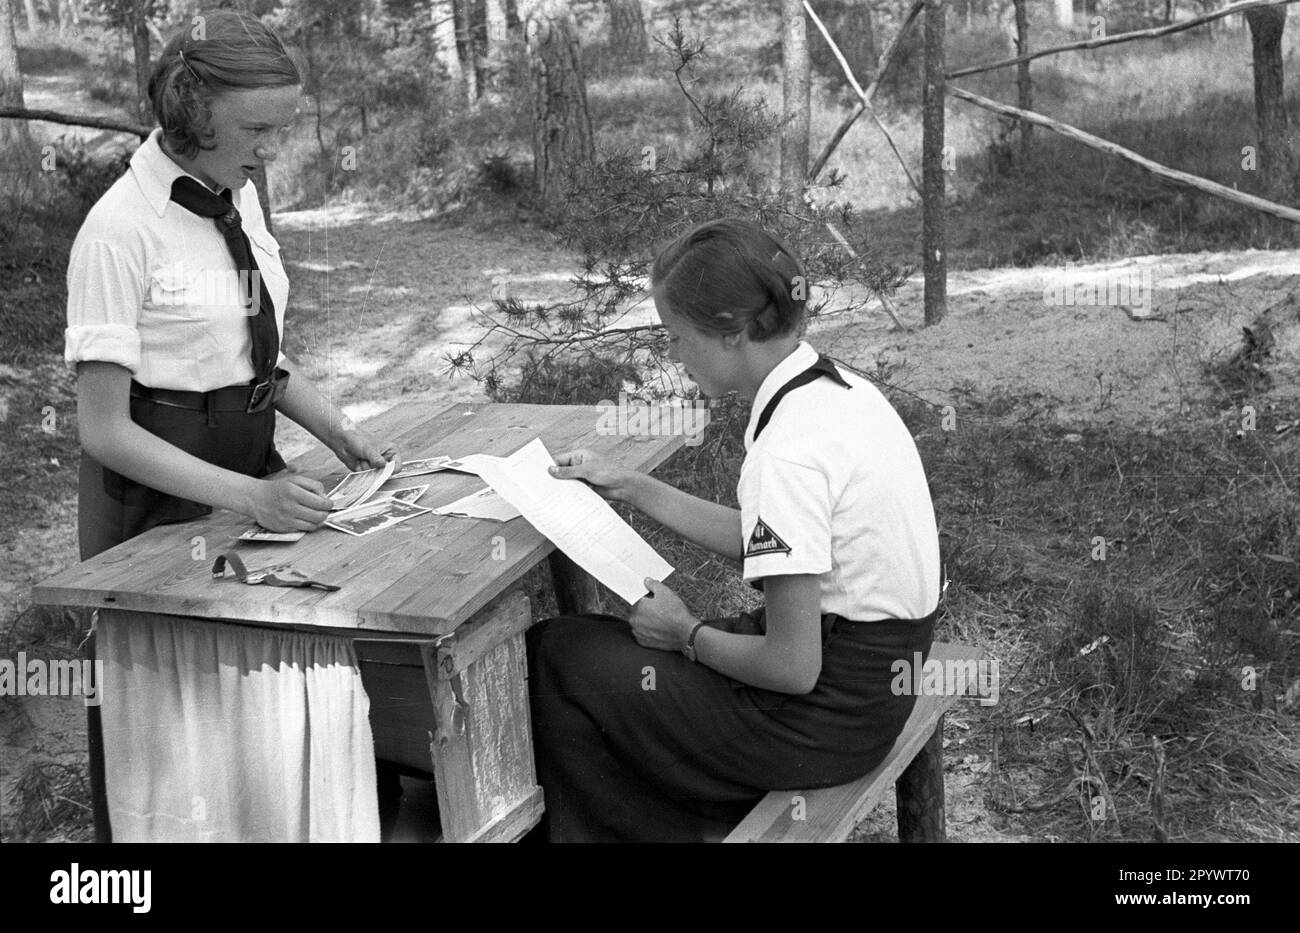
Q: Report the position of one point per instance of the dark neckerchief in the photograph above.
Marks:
(823, 367)
(194, 197)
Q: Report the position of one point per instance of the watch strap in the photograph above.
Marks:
(689, 650)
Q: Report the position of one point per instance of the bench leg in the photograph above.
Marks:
(919, 791)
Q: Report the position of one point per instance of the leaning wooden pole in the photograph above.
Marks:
(1097, 43)
(864, 100)
(933, 261)
(866, 96)
(1095, 142)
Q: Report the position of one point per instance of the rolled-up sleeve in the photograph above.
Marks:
(105, 293)
(785, 515)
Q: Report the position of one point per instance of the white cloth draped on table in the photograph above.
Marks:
(217, 732)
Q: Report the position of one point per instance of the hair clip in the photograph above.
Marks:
(189, 67)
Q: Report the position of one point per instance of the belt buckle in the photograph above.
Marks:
(260, 397)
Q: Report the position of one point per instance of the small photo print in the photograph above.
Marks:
(258, 533)
(375, 516)
(360, 486)
(410, 494)
(421, 467)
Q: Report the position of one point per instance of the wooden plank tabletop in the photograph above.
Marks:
(425, 576)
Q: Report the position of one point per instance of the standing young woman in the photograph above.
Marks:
(176, 301)
(835, 525)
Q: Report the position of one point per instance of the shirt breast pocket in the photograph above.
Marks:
(266, 253)
(177, 289)
(178, 318)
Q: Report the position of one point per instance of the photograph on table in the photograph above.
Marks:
(375, 516)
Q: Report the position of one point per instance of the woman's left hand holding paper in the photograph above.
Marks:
(661, 620)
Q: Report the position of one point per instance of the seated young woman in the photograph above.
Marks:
(664, 727)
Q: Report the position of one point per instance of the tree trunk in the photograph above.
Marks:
(464, 12)
(850, 25)
(1024, 90)
(444, 37)
(796, 87)
(479, 43)
(33, 17)
(140, 42)
(497, 26)
(12, 132)
(934, 262)
(1277, 161)
(562, 133)
(513, 23)
(1064, 12)
(627, 38)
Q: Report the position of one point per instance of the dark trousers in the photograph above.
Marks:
(635, 744)
(112, 509)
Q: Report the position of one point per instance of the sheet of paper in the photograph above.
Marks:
(486, 503)
(375, 516)
(356, 488)
(577, 520)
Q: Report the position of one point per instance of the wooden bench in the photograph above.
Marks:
(914, 766)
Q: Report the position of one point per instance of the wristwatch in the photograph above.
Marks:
(689, 650)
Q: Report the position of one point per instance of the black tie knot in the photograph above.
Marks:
(230, 221)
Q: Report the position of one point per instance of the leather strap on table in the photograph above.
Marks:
(277, 575)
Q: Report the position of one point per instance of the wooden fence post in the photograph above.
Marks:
(934, 262)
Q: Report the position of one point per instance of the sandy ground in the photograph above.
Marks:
(379, 301)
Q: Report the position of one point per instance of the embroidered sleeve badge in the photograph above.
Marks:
(765, 541)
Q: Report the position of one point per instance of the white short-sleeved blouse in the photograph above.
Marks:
(153, 287)
(834, 486)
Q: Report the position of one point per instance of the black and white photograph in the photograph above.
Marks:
(375, 515)
(976, 519)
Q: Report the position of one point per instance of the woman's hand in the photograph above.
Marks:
(661, 620)
(359, 451)
(611, 482)
(288, 501)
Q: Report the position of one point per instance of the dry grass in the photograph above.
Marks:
(51, 802)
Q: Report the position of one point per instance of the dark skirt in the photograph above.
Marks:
(635, 744)
(112, 509)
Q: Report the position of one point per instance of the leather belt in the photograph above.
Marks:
(249, 397)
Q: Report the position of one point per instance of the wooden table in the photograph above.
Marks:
(429, 603)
